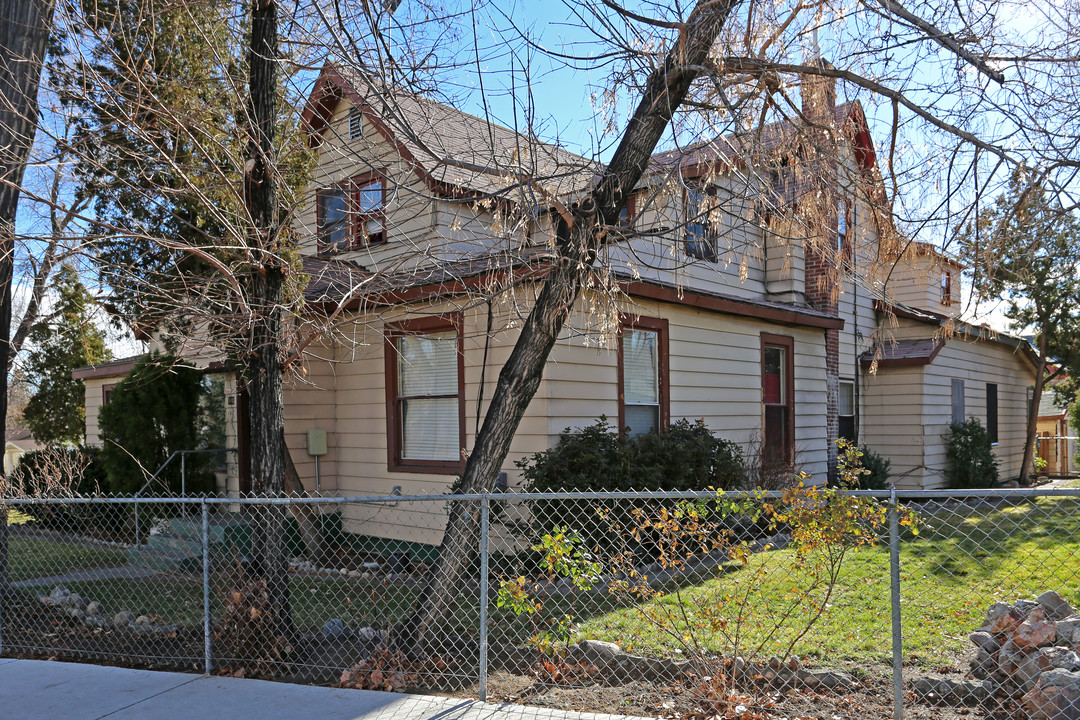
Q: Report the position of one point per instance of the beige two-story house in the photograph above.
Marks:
(736, 289)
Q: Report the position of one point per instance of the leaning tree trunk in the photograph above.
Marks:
(263, 367)
(1026, 465)
(24, 34)
(520, 377)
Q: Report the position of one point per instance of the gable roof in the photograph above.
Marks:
(451, 151)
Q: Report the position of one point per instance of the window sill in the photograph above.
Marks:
(433, 467)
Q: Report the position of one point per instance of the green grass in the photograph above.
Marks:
(30, 558)
(959, 564)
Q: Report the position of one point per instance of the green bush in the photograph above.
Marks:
(152, 413)
(971, 462)
(877, 467)
(687, 456)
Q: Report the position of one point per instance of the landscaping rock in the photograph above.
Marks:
(1034, 632)
(1055, 606)
(1006, 622)
(76, 613)
(123, 618)
(75, 600)
(1056, 696)
(1068, 630)
(996, 611)
(985, 641)
(333, 628)
(143, 620)
(951, 692)
(1025, 606)
(94, 608)
(826, 678)
(58, 595)
(598, 652)
(1042, 660)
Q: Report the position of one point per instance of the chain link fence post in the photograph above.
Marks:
(894, 583)
(485, 516)
(205, 508)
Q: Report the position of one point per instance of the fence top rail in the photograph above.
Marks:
(906, 496)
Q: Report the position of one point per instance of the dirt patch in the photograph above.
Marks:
(36, 631)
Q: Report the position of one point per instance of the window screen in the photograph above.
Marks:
(428, 396)
(641, 381)
(846, 411)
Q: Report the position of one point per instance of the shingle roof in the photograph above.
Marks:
(461, 150)
(904, 352)
(1048, 404)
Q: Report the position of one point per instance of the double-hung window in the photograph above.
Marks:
(352, 214)
(846, 411)
(425, 408)
(643, 375)
(702, 223)
(777, 399)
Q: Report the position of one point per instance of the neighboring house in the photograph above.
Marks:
(18, 442)
(744, 314)
(1057, 440)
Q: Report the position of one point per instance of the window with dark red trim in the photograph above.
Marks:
(643, 375)
(777, 399)
(702, 222)
(106, 393)
(425, 395)
(946, 287)
(629, 210)
(352, 214)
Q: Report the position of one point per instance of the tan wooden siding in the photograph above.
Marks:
(409, 205)
(892, 416)
(94, 389)
(976, 363)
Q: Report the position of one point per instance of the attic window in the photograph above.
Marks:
(845, 224)
(356, 124)
(702, 223)
(946, 288)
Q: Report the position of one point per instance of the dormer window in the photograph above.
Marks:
(845, 229)
(352, 215)
(702, 220)
(356, 124)
(946, 287)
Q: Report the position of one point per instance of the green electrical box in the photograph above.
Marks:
(316, 441)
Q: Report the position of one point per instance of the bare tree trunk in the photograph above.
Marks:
(1027, 464)
(24, 34)
(520, 377)
(264, 367)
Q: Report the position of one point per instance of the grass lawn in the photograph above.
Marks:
(30, 558)
(961, 562)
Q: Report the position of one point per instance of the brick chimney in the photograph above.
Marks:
(819, 206)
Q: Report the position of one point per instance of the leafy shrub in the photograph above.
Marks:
(685, 457)
(877, 470)
(971, 462)
(152, 413)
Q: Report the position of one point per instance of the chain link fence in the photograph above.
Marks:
(803, 603)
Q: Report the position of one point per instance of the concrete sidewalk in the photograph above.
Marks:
(42, 690)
